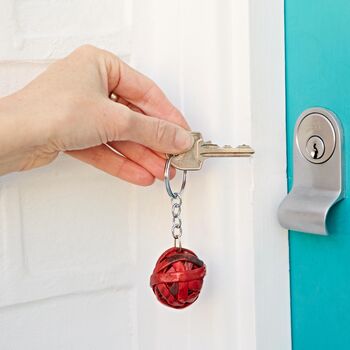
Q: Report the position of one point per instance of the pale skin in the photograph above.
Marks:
(84, 103)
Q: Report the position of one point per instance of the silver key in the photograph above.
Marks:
(200, 151)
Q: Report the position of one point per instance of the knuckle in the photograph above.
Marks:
(103, 57)
(86, 49)
(87, 53)
(125, 123)
(161, 130)
(148, 94)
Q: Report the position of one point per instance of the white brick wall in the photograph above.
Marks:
(66, 266)
(77, 246)
(47, 29)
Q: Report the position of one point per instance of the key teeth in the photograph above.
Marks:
(210, 144)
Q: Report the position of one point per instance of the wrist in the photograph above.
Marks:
(21, 138)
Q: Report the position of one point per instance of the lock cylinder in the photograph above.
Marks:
(315, 138)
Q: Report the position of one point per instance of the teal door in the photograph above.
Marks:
(318, 74)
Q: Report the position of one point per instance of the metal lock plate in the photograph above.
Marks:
(317, 172)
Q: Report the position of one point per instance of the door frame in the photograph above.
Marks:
(271, 248)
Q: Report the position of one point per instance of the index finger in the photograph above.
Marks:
(142, 92)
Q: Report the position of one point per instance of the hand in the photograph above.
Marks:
(68, 108)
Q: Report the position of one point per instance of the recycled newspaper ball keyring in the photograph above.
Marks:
(177, 278)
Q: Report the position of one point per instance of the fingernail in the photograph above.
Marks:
(183, 140)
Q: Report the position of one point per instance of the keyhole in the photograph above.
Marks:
(315, 151)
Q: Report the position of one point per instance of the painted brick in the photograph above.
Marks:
(67, 241)
(90, 321)
(64, 233)
(42, 30)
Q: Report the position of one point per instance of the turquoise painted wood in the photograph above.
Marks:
(318, 74)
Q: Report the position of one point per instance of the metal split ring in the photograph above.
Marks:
(167, 179)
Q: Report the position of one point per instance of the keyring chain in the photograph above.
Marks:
(176, 202)
(176, 229)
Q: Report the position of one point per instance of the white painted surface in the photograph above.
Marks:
(77, 246)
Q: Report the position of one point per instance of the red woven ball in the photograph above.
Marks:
(177, 278)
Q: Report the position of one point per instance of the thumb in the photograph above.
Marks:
(155, 133)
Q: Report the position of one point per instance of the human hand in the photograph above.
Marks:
(67, 108)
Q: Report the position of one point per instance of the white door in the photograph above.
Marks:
(77, 246)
